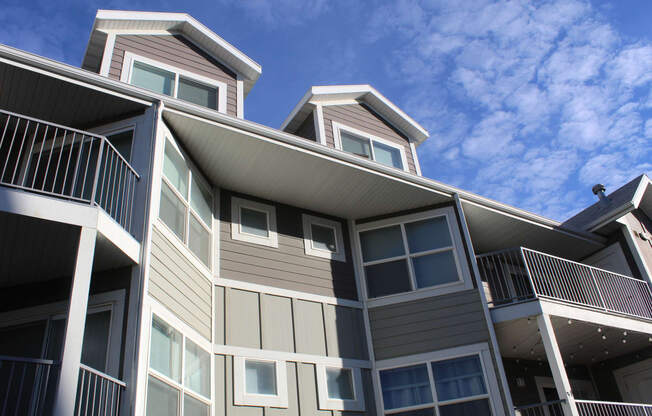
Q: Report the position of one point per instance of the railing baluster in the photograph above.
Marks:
(11, 145)
(47, 166)
(20, 153)
(97, 172)
(11, 376)
(20, 389)
(56, 171)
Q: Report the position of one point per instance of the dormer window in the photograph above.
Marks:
(368, 146)
(164, 79)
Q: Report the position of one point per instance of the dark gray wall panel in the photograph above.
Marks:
(307, 128)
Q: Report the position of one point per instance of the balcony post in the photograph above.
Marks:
(66, 394)
(556, 365)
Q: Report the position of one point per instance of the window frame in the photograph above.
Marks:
(336, 226)
(192, 174)
(236, 226)
(338, 127)
(128, 68)
(463, 282)
(240, 395)
(357, 404)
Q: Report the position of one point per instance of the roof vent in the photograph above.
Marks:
(598, 189)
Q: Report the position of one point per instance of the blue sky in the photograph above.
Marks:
(527, 102)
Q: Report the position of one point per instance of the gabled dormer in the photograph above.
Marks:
(171, 54)
(359, 120)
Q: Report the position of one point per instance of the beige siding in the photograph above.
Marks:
(309, 324)
(640, 223)
(277, 327)
(176, 51)
(243, 323)
(427, 324)
(360, 117)
(288, 266)
(177, 284)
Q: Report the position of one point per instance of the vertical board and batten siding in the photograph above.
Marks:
(177, 284)
(429, 324)
(307, 128)
(259, 320)
(286, 266)
(176, 51)
(362, 118)
(302, 393)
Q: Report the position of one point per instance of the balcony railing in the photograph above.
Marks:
(519, 274)
(26, 385)
(63, 162)
(98, 393)
(595, 408)
(552, 408)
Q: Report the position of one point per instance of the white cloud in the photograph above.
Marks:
(277, 12)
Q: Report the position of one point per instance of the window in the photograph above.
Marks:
(179, 374)
(456, 386)
(340, 388)
(253, 222)
(408, 256)
(323, 238)
(164, 79)
(260, 382)
(365, 145)
(185, 206)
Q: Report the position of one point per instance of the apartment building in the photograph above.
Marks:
(162, 255)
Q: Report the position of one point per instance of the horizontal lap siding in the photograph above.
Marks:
(179, 286)
(427, 324)
(176, 51)
(360, 117)
(286, 267)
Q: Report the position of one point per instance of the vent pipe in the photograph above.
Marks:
(598, 189)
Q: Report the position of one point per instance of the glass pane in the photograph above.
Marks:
(260, 377)
(460, 377)
(193, 407)
(340, 383)
(382, 243)
(96, 340)
(323, 238)
(402, 387)
(253, 222)
(162, 400)
(435, 269)
(172, 211)
(199, 241)
(175, 169)
(200, 201)
(388, 155)
(356, 145)
(152, 78)
(387, 278)
(165, 351)
(475, 408)
(428, 234)
(198, 369)
(197, 93)
(421, 412)
(122, 143)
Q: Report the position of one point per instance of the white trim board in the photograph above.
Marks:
(308, 221)
(242, 397)
(357, 404)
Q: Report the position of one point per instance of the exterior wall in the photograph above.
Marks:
(603, 373)
(362, 118)
(640, 223)
(307, 128)
(176, 51)
(610, 258)
(177, 284)
(286, 267)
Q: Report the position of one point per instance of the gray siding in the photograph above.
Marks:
(307, 128)
(176, 51)
(287, 266)
(177, 284)
(427, 324)
(360, 117)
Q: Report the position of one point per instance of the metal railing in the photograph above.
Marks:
(98, 393)
(552, 408)
(518, 274)
(595, 408)
(63, 162)
(26, 385)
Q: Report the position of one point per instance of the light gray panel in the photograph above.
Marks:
(242, 318)
(345, 335)
(277, 329)
(308, 402)
(293, 395)
(231, 409)
(309, 327)
(221, 386)
(219, 318)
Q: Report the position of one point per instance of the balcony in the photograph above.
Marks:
(586, 408)
(520, 274)
(65, 163)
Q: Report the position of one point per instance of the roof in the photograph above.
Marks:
(124, 21)
(619, 202)
(343, 94)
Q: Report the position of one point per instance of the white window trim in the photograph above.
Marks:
(308, 221)
(326, 403)
(241, 397)
(338, 142)
(236, 227)
(464, 278)
(127, 71)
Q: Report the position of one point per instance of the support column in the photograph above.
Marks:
(64, 403)
(556, 364)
